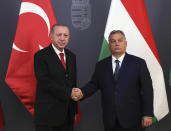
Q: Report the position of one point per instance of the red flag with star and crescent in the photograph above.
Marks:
(1, 119)
(36, 18)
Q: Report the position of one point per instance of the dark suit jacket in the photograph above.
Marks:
(127, 99)
(54, 86)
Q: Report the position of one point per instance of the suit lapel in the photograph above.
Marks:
(68, 61)
(109, 68)
(54, 57)
(123, 66)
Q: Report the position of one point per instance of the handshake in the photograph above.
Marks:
(76, 94)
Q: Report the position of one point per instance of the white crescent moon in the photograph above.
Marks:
(18, 49)
(40, 47)
(27, 7)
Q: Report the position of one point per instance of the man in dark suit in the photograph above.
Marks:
(126, 88)
(55, 70)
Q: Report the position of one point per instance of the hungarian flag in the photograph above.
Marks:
(131, 17)
(1, 118)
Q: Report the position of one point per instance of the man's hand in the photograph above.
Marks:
(76, 94)
(146, 121)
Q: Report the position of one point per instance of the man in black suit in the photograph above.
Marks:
(55, 70)
(126, 88)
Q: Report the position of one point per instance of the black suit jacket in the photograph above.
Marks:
(127, 99)
(54, 85)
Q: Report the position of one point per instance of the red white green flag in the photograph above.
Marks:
(131, 17)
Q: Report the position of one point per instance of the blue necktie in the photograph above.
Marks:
(116, 69)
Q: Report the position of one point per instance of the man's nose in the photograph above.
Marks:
(117, 43)
(62, 37)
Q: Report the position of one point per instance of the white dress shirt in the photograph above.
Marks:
(114, 63)
(58, 53)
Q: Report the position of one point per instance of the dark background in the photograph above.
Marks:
(86, 44)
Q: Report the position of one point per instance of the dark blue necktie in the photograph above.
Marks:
(116, 69)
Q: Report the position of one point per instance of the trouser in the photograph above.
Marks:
(118, 127)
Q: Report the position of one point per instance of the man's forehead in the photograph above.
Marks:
(117, 36)
(61, 29)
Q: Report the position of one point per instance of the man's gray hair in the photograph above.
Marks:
(52, 29)
(116, 32)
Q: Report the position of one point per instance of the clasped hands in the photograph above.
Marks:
(76, 94)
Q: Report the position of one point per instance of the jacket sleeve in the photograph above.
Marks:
(146, 90)
(92, 86)
(44, 82)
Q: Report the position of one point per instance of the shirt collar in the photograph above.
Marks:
(57, 51)
(120, 58)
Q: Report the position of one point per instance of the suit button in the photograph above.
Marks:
(66, 75)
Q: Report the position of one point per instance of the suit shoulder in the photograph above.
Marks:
(43, 52)
(103, 61)
(135, 58)
(68, 52)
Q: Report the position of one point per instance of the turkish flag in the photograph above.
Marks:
(78, 115)
(36, 18)
(1, 118)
